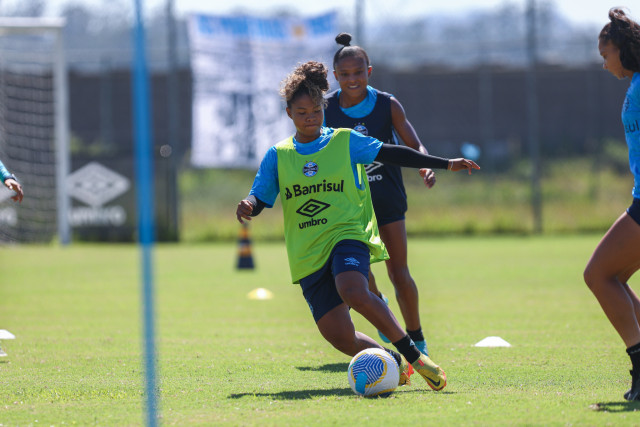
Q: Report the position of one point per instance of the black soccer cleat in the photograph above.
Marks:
(634, 391)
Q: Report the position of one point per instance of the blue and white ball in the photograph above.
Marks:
(373, 372)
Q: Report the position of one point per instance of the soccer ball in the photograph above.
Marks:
(373, 372)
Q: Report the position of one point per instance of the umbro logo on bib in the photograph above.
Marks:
(312, 208)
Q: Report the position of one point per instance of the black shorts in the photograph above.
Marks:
(390, 210)
(634, 210)
(319, 288)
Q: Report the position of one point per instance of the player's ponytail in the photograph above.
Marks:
(624, 33)
(347, 50)
(309, 78)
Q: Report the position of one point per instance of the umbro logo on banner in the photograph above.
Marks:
(96, 185)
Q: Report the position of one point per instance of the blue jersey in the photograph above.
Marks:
(363, 150)
(631, 121)
(4, 173)
(372, 117)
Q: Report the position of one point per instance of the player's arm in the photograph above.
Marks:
(404, 128)
(408, 134)
(11, 182)
(249, 207)
(406, 157)
(264, 190)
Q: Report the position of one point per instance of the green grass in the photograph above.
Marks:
(225, 359)
(577, 198)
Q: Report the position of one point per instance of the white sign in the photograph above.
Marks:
(238, 63)
(96, 185)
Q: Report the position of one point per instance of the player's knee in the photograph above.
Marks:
(595, 278)
(400, 277)
(589, 276)
(343, 343)
(356, 298)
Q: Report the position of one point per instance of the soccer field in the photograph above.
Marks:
(224, 359)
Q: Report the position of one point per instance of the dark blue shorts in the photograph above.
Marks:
(389, 219)
(319, 288)
(389, 208)
(634, 210)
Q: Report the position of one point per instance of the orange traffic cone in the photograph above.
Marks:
(245, 259)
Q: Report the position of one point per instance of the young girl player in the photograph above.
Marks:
(358, 106)
(617, 256)
(331, 232)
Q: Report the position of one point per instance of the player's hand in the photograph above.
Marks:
(244, 210)
(428, 176)
(14, 185)
(461, 164)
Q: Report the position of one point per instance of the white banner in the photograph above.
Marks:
(238, 63)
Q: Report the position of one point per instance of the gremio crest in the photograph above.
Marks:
(310, 169)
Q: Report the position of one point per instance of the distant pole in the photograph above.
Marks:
(145, 202)
(485, 97)
(106, 104)
(63, 152)
(173, 96)
(359, 23)
(533, 120)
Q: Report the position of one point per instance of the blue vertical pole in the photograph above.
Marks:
(145, 202)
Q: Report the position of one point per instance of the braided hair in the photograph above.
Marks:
(624, 33)
(347, 50)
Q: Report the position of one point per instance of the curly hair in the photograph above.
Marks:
(347, 50)
(624, 33)
(309, 78)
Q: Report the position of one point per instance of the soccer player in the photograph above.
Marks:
(617, 256)
(358, 106)
(11, 182)
(331, 232)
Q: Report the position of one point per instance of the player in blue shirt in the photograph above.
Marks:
(617, 256)
(363, 150)
(358, 106)
(341, 283)
(11, 182)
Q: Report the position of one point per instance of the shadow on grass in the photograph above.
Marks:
(329, 367)
(311, 394)
(297, 394)
(622, 406)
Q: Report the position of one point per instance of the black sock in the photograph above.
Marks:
(408, 349)
(416, 335)
(395, 355)
(634, 354)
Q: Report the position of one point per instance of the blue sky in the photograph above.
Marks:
(578, 11)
